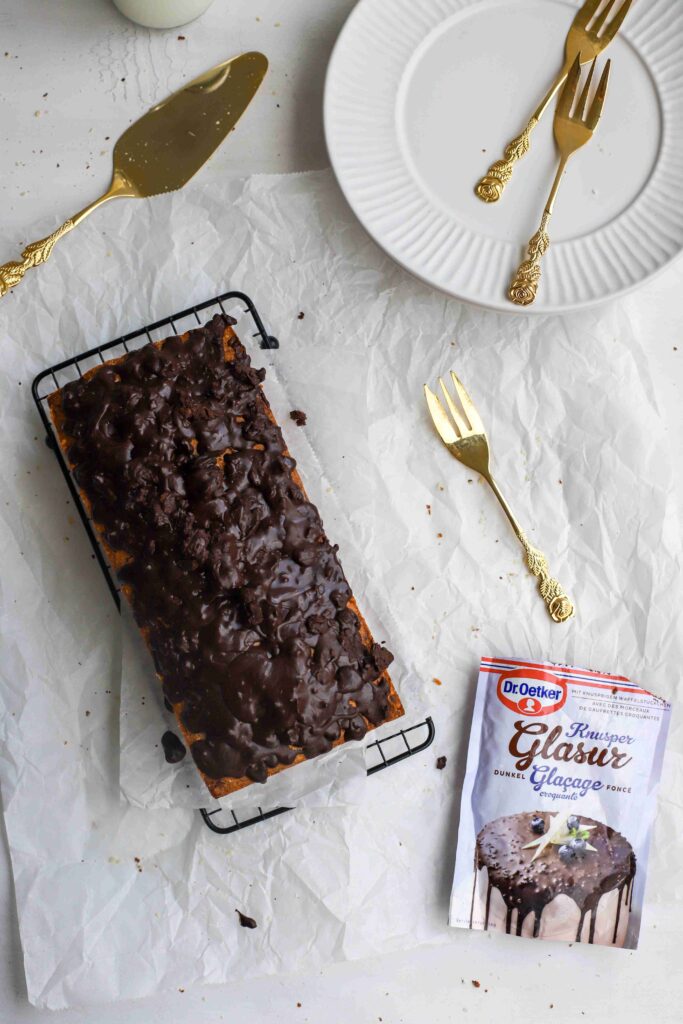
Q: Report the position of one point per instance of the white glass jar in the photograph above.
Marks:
(162, 13)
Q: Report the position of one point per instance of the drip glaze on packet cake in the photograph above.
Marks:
(558, 803)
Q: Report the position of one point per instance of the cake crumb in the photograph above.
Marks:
(437, 682)
(439, 535)
(299, 417)
(477, 984)
(429, 509)
(441, 762)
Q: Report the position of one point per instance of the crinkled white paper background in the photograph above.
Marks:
(343, 875)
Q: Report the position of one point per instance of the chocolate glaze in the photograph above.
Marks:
(236, 587)
(174, 748)
(529, 887)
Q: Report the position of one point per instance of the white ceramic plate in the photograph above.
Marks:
(422, 95)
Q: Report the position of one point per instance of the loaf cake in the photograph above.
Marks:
(256, 637)
(577, 890)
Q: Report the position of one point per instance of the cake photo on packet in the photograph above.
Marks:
(557, 876)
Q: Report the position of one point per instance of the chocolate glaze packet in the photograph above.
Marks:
(558, 803)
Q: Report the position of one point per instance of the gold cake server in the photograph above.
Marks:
(463, 433)
(163, 149)
(594, 27)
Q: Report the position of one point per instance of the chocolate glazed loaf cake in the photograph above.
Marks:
(579, 897)
(256, 637)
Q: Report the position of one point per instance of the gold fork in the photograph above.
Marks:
(582, 42)
(571, 132)
(464, 435)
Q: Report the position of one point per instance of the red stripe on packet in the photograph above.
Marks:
(504, 662)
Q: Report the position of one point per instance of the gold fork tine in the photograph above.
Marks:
(596, 107)
(444, 427)
(568, 94)
(583, 99)
(468, 405)
(585, 13)
(602, 17)
(616, 22)
(462, 428)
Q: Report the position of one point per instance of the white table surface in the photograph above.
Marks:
(99, 72)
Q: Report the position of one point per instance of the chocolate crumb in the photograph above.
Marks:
(246, 922)
(429, 509)
(441, 762)
(477, 984)
(300, 315)
(299, 417)
(181, 38)
(174, 748)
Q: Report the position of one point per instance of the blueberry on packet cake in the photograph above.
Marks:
(558, 804)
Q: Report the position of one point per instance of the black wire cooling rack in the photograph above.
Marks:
(381, 753)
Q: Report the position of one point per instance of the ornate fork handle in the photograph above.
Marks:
(37, 252)
(524, 285)
(552, 592)
(491, 186)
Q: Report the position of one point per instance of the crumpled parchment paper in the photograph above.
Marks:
(120, 901)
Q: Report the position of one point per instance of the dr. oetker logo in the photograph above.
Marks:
(531, 692)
